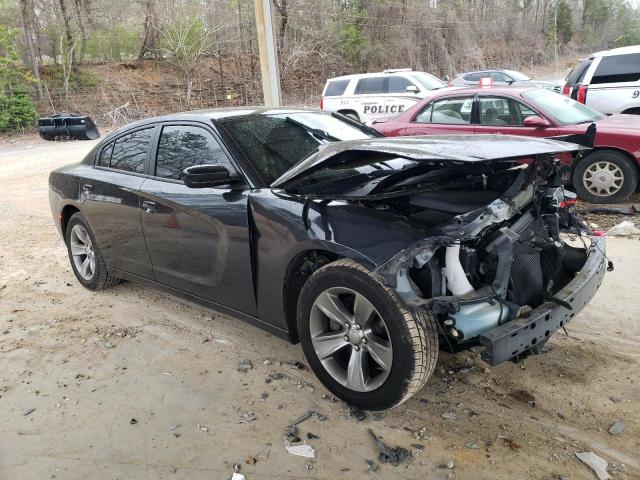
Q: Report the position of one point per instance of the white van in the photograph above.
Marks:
(377, 96)
(607, 81)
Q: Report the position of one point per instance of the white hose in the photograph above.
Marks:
(457, 281)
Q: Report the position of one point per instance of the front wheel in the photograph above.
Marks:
(360, 340)
(605, 176)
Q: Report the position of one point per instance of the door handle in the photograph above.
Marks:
(149, 207)
(86, 188)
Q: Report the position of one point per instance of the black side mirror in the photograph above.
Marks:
(205, 176)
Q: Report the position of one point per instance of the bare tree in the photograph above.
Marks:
(27, 24)
(149, 30)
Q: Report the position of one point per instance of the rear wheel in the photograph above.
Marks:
(85, 255)
(360, 340)
(605, 176)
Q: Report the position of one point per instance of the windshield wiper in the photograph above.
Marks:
(314, 131)
(365, 128)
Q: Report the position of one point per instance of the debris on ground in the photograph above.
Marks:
(373, 466)
(524, 397)
(449, 415)
(292, 434)
(264, 454)
(387, 454)
(597, 464)
(472, 445)
(357, 413)
(623, 229)
(203, 428)
(312, 436)
(174, 427)
(133, 421)
(29, 412)
(303, 417)
(250, 460)
(329, 398)
(247, 417)
(238, 476)
(270, 377)
(512, 444)
(295, 365)
(245, 365)
(617, 428)
(303, 450)
(632, 210)
(615, 399)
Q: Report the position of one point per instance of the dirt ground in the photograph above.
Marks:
(77, 367)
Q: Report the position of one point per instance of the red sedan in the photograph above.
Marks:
(607, 174)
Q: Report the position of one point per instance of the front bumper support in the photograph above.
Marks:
(519, 336)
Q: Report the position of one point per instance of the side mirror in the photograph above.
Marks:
(412, 88)
(536, 121)
(205, 176)
(446, 78)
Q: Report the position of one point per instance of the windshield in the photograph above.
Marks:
(517, 76)
(428, 81)
(275, 143)
(561, 108)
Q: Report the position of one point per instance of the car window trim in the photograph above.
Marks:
(430, 104)
(113, 140)
(508, 97)
(190, 123)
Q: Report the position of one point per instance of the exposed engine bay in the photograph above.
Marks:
(494, 249)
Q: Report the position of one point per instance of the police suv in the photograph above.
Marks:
(377, 96)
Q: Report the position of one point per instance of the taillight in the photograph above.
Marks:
(321, 102)
(582, 94)
(566, 90)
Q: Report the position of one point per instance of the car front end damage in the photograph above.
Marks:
(506, 276)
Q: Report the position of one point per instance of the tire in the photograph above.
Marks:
(618, 174)
(96, 276)
(411, 339)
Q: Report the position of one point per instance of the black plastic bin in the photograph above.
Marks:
(70, 125)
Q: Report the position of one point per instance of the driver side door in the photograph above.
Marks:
(198, 238)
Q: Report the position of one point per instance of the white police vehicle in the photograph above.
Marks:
(377, 96)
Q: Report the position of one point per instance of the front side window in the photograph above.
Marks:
(503, 111)
(183, 146)
(399, 85)
(500, 77)
(452, 111)
(475, 77)
(127, 153)
(618, 68)
(372, 85)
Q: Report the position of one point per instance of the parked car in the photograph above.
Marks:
(607, 81)
(607, 174)
(376, 96)
(313, 227)
(501, 77)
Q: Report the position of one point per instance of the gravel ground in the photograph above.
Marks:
(130, 383)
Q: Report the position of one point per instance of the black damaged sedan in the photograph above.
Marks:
(372, 252)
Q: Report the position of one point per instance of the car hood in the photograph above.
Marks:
(444, 148)
(620, 121)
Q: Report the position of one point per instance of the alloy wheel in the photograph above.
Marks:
(603, 178)
(351, 339)
(82, 252)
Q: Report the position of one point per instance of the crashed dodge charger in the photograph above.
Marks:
(373, 252)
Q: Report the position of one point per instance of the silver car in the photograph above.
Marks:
(501, 77)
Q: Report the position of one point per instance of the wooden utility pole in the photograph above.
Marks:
(268, 54)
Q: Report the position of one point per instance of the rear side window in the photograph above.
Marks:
(577, 74)
(399, 85)
(475, 77)
(618, 68)
(335, 88)
(372, 85)
(127, 153)
(183, 146)
(451, 111)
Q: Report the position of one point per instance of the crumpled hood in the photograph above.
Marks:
(448, 148)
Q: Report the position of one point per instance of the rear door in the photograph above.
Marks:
(198, 239)
(615, 84)
(110, 200)
(443, 115)
(497, 114)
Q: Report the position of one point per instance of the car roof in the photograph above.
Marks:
(505, 70)
(371, 74)
(498, 90)
(206, 115)
(617, 51)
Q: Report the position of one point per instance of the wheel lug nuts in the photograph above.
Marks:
(356, 348)
(364, 341)
(358, 327)
(347, 325)
(346, 338)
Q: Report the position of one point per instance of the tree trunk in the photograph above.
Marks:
(67, 26)
(28, 36)
(148, 39)
(83, 30)
(189, 88)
